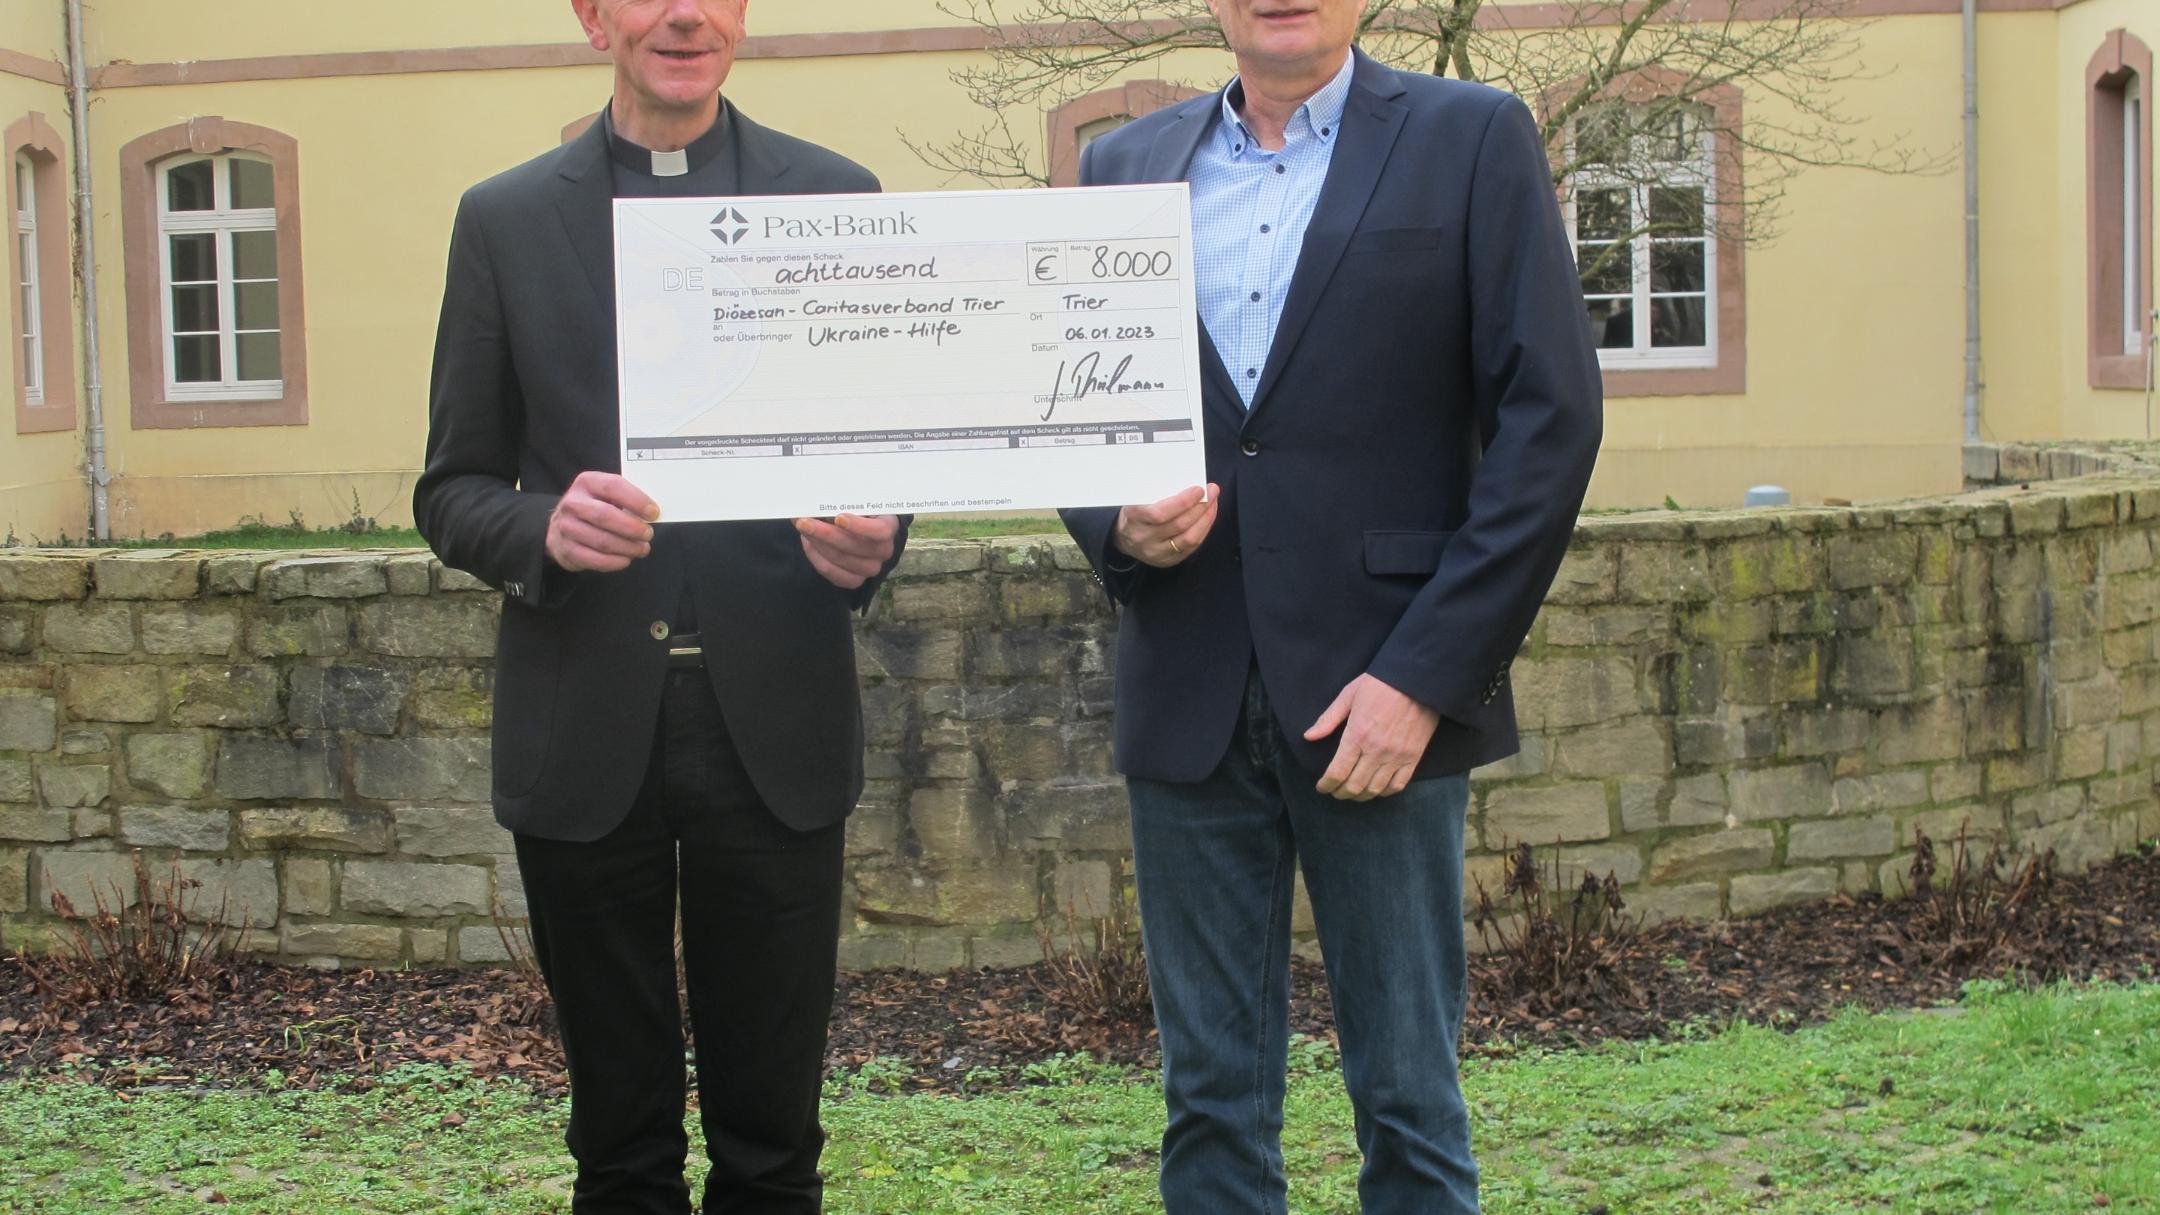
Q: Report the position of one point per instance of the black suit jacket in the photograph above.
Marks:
(522, 400)
(1399, 497)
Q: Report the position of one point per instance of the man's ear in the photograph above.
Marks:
(588, 15)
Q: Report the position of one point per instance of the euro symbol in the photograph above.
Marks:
(1043, 272)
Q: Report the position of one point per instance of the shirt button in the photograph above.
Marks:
(659, 630)
(1266, 228)
(1280, 169)
(1255, 297)
(1252, 373)
(1250, 447)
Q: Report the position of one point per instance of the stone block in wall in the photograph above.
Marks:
(1920, 733)
(43, 578)
(1044, 598)
(1879, 791)
(1589, 573)
(1772, 565)
(1035, 653)
(351, 942)
(1725, 622)
(1009, 893)
(1783, 673)
(15, 630)
(873, 830)
(1872, 666)
(2132, 599)
(406, 888)
(2036, 514)
(933, 558)
(309, 630)
(1623, 862)
(2046, 806)
(36, 824)
(2092, 702)
(485, 944)
(242, 893)
(463, 698)
(449, 831)
(509, 897)
(1994, 721)
(1017, 554)
(953, 822)
(72, 785)
(114, 693)
(1827, 839)
(339, 577)
(234, 574)
(1758, 892)
(1015, 947)
(2092, 508)
(1699, 801)
(1664, 573)
(2079, 843)
(1567, 813)
(16, 782)
(1558, 693)
(2080, 754)
(422, 769)
(430, 628)
(86, 741)
(411, 574)
(2127, 552)
(1730, 734)
(427, 946)
(263, 767)
(1532, 758)
(1087, 889)
(904, 652)
(1009, 702)
(148, 576)
(456, 581)
(1720, 852)
(189, 629)
(182, 827)
(1632, 746)
(1938, 558)
(1609, 625)
(84, 878)
(1813, 732)
(308, 886)
(315, 829)
(943, 599)
(1983, 463)
(1789, 792)
(1640, 803)
(1691, 901)
(368, 700)
(1871, 560)
(228, 697)
(173, 765)
(90, 628)
(14, 879)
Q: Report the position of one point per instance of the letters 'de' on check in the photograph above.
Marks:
(977, 350)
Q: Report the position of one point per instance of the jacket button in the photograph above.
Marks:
(1250, 447)
(659, 630)
(1237, 554)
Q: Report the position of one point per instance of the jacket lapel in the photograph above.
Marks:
(584, 200)
(1372, 120)
(758, 156)
(1170, 159)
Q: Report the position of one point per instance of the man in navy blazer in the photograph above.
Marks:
(1402, 412)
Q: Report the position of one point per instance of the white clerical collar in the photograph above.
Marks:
(671, 164)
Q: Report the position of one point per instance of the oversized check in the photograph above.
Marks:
(979, 350)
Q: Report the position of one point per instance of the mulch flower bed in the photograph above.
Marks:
(969, 1030)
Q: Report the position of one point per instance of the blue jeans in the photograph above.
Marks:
(1214, 862)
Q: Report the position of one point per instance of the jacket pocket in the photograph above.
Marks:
(1393, 240)
(1414, 553)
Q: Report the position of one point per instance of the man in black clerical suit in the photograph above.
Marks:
(676, 711)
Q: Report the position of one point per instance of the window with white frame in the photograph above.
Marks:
(2133, 303)
(32, 337)
(1643, 215)
(218, 254)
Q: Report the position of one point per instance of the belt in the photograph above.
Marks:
(687, 653)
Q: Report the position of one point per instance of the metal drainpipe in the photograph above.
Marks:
(85, 225)
(1972, 221)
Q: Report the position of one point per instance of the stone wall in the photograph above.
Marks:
(1730, 711)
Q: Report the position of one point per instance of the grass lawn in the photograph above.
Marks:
(2012, 1102)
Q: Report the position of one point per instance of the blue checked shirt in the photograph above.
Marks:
(1250, 211)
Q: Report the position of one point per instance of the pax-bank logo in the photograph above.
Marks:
(730, 226)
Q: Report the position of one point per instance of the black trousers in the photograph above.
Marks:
(760, 906)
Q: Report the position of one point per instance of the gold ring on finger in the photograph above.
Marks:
(1177, 548)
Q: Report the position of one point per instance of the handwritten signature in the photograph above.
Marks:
(1085, 379)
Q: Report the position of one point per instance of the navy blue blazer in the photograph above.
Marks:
(1399, 497)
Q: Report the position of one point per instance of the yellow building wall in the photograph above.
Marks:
(43, 494)
(2089, 412)
(1855, 312)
